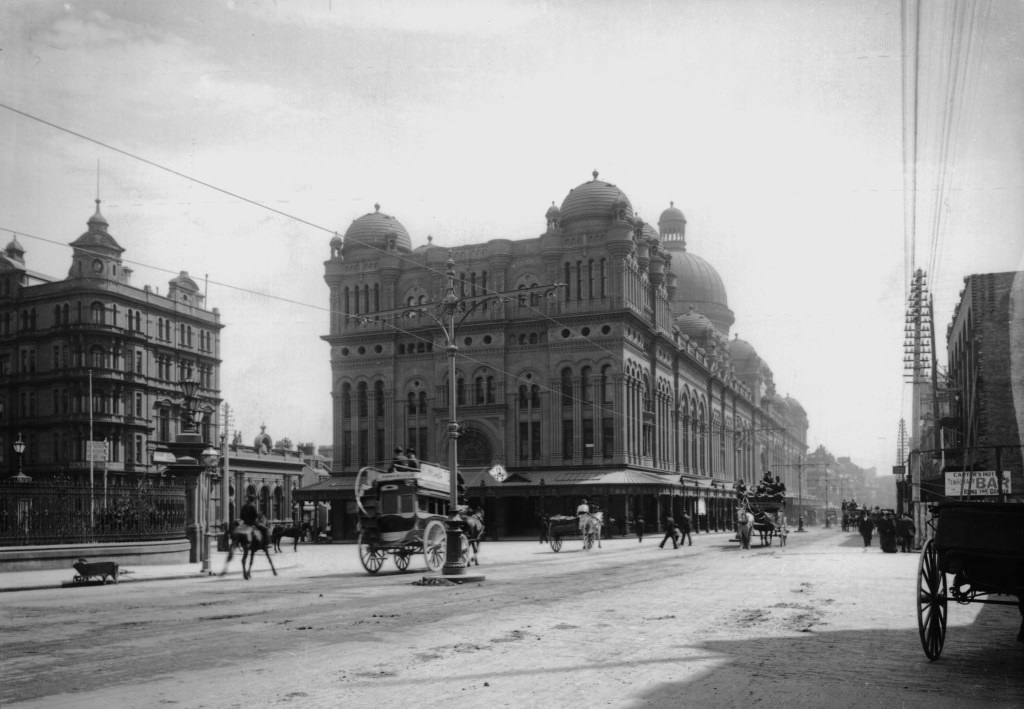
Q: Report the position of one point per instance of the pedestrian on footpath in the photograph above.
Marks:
(638, 526)
(671, 532)
(866, 527)
(685, 526)
(907, 531)
(543, 529)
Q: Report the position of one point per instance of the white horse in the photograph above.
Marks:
(744, 526)
(590, 526)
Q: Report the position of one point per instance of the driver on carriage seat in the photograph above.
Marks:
(251, 516)
(583, 509)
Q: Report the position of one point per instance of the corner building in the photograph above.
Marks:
(621, 386)
(93, 354)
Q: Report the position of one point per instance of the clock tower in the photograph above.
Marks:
(96, 254)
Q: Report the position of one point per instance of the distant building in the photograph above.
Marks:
(92, 357)
(985, 350)
(621, 386)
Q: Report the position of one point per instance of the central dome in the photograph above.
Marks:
(595, 200)
(378, 230)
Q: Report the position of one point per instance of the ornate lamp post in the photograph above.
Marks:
(827, 525)
(207, 477)
(19, 448)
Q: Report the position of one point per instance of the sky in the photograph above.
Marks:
(232, 139)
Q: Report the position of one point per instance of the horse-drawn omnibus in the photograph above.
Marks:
(402, 513)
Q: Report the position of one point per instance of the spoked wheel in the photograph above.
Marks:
(370, 555)
(402, 558)
(433, 544)
(556, 544)
(931, 602)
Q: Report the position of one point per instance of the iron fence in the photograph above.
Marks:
(49, 512)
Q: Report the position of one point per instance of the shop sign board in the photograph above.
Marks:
(975, 483)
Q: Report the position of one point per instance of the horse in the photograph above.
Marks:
(744, 526)
(473, 527)
(590, 526)
(764, 524)
(280, 531)
(250, 540)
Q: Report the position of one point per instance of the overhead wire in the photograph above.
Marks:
(615, 357)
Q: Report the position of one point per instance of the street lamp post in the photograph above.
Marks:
(19, 448)
(827, 525)
(209, 460)
(800, 489)
(448, 313)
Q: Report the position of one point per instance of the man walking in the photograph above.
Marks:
(671, 532)
(685, 527)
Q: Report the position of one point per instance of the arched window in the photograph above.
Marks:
(412, 402)
(346, 401)
(98, 313)
(478, 390)
(378, 397)
(364, 409)
(566, 387)
(585, 385)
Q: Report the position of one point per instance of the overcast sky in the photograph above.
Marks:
(775, 125)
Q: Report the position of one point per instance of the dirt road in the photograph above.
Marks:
(818, 623)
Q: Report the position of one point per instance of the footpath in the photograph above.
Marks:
(47, 579)
(44, 579)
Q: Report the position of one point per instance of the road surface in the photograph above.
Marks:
(817, 624)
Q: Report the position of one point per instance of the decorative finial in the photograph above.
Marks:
(594, 174)
(671, 203)
(376, 207)
(430, 239)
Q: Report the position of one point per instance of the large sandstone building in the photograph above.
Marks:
(621, 385)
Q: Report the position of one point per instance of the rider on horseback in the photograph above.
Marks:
(251, 516)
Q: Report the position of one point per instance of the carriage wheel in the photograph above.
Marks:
(556, 543)
(370, 555)
(433, 544)
(931, 602)
(402, 558)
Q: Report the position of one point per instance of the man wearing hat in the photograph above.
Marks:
(399, 462)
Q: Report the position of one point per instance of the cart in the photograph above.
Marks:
(401, 514)
(981, 545)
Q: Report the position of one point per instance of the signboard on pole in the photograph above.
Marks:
(95, 451)
(975, 483)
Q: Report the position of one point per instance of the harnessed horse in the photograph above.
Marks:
(590, 526)
(250, 540)
(473, 528)
(744, 526)
(764, 524)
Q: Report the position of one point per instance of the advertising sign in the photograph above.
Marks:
(975, 483)
(95, 451)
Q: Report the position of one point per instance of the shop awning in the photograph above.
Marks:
(336, 487)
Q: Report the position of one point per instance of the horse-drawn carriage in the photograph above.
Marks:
(981, 544)
(764, 515)
(402, 514)
(586, 527)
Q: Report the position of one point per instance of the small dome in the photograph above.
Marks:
(694, 325)
(742, 351)
(377, 230)
(553, 212)
(697, 281)
(795, 405)
(97, 235)
(183, 282)
(336, 241)
(649, 232)
(672, 222)
(595, 200)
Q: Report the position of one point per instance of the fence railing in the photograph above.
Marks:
(33, 513)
